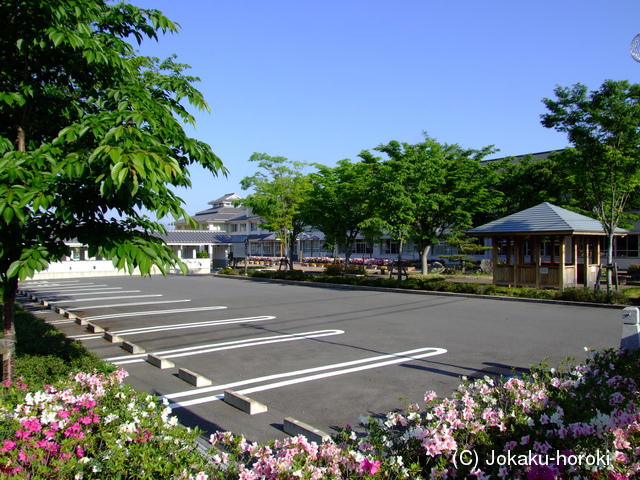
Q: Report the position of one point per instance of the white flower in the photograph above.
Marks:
(172, 422)
(128, 427)
(110, 418)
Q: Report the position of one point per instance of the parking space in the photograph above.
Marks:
(323, 356)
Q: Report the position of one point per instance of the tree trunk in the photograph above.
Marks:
(8, 342)
(400, 247)
(609, 260)
(424, 255)
(347, 255)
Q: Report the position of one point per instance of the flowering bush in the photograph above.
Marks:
(92, 426)
(322, 260)
(294, 457)
(265, 259)
(583, 424)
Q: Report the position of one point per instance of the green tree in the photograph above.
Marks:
(466, 246)
(430, 192)
(604, 162)
(340, 202)
(527, 181)
(280, 189)
(91, 137)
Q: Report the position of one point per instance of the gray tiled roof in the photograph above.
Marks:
(544, 219)
(195, 236)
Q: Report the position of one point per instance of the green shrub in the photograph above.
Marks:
(592, 296)
(297, 275)
(45, 355)
(228, 271)
(333, 269)
(355, 270)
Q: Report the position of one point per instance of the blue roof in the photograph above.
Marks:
(545, 218)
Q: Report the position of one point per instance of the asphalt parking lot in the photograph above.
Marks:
(323, 356)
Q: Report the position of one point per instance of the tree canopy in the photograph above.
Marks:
(280, 188)
(430, 192)
(91, 137)
(340, 203)
(604, 128)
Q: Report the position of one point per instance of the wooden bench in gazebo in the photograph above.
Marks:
(545, 246)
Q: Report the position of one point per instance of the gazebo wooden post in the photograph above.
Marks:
(495, 241)
(586, 258)
(516, 259)
(535, 252)
(561, 263)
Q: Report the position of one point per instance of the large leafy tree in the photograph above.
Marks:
(430, 192)
(527, 181)
(91, 137)
(280, 189)
(604, 128)
(340, 203)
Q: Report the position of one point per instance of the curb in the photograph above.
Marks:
(421, 292)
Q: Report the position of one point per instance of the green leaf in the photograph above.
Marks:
(14, 269)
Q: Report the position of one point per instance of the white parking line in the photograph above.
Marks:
(178, 326)
(113, 298)
(100, 290)
(216, 347)
(84, 286)
(155, 312)
(386, 360)
(135, 304)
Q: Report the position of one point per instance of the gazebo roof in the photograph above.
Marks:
(543, 219)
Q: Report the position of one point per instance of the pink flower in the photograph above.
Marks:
(32, 424)
(8, 445)
(541, 472)
(22, 456)
(369, 467)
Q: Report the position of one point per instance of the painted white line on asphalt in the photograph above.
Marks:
(391, 359)
(135, 304)
(113, 298)
(155, 312)
(215, 347)
(40, 283)
(84, 286)
(99, 290)
(177, 326)
(409, 354)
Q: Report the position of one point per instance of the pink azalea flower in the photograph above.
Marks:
(8, 445)
(369, 467)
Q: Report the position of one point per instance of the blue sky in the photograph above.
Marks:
(321, 81)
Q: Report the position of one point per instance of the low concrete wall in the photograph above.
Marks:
(104, 268)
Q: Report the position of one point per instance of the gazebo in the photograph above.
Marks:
(545, 246)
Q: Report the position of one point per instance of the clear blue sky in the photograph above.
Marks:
(320, 81)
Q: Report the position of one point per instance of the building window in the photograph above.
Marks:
(443, 249)
(626, 246)
(233, 227)
(254, 226)
(390, 247)
(243, 227)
